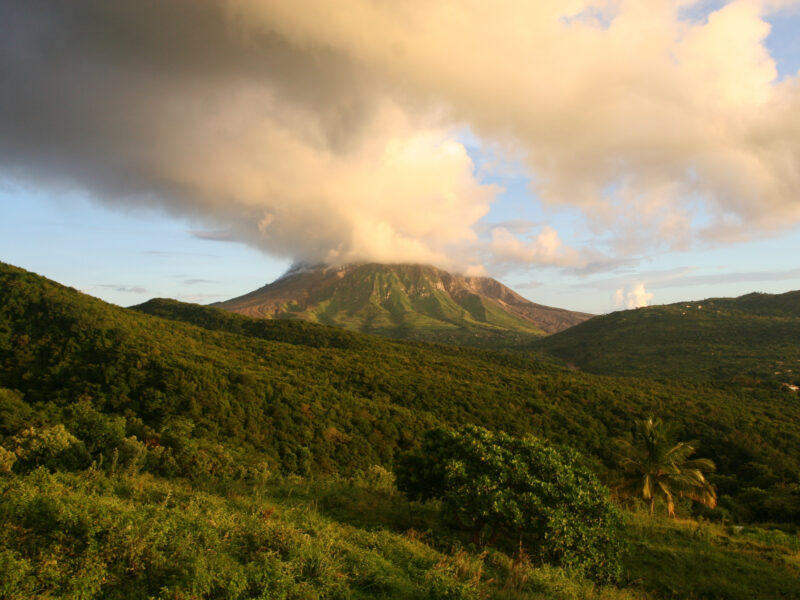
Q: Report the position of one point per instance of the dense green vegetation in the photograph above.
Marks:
(300, 398)
(656, 464)
(117, 533)
(743, 340)
(519, 493)
(190, 452)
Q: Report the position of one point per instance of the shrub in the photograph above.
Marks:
(7, 460)
(519, 492)
(131, 454)
(378, 479)
(99, 432)
(52, 447)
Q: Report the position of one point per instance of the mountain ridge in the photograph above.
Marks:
(404, 301)
(751, 336)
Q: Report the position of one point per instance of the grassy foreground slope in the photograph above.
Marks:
(755, 336)
(120, 534)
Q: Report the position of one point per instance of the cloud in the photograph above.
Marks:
(683, 277)
(323, 133)
(198, 281)
(216, 235)
(528, 285)
(545, 248)
(736, 277)
(634, 296)
(125, 289)
(660, 278)
(200, 298)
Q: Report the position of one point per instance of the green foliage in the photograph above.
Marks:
(741, 341)
(15, 414)
(52, 447)
(657, 465)
(520, 491)
(379, 479)
(131, 454)
(94, 535)
(100, 433)
(7, 460)
(297, 398)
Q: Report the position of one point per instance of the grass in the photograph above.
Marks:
(94, 535)
(690, 559)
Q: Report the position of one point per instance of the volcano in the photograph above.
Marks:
(404, 301)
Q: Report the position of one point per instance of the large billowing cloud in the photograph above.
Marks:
(324, 131)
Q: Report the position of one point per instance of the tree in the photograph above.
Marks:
(522, 493)
(656, 465)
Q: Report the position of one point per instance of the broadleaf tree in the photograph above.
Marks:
(520, 492)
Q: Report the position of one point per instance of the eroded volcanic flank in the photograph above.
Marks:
(405, 301)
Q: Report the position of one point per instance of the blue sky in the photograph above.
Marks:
(126, 254)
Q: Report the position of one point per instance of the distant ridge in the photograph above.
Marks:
(753, 336)
(404, 301)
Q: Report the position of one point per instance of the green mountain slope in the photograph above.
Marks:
(205, 501)
(301, 397)
(754, 336)
(407, 302)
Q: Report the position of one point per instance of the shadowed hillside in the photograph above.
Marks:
(755, 336)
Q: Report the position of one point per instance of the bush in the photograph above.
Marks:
(378, 479)
(519, 492)
(100, 433)
(131, 454)
(51, 447)
(7, 460)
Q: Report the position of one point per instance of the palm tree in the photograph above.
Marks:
(658, 466)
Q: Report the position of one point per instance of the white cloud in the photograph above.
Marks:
(324, 131)
(634, 296)
(546, 248)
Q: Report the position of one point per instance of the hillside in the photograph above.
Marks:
(206, 454)
(407, 302)
(754, 336)
(307, 398)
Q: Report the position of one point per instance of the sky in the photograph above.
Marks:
(591, 155)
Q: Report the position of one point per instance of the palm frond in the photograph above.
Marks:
(657, 465)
